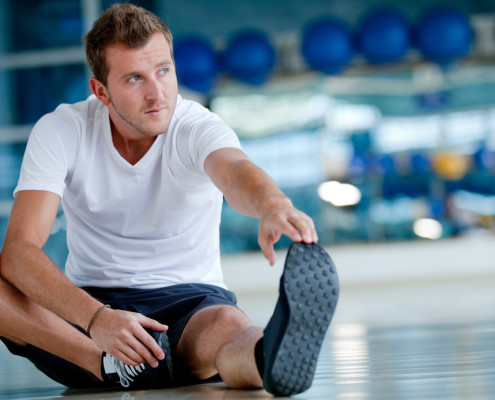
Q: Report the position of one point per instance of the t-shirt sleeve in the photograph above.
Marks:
(46, 161)
(202, 134)
(212, 136)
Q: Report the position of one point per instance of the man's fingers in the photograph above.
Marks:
(148, 340)
(305, 228)
(142, 349)
(126, 359)
(269, 254)
(151, 324)
(295, 224)
(152, 352)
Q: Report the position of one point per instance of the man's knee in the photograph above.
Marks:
(217, 324)
(205, 334)
(229, 319)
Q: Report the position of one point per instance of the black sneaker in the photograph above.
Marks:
(292, 340)
(143, 376)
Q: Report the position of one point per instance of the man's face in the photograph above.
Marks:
(141, 90)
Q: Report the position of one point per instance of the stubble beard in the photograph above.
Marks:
(134, 124)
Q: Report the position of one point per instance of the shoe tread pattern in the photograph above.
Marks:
(311, 287)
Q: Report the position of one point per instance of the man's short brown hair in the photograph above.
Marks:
(125, 24)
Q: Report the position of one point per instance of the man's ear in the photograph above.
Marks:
(99, 90)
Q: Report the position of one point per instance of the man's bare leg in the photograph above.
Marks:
(23, 321)
(221, 339)
(236, 361)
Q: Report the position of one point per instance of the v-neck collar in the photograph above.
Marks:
(145, 159)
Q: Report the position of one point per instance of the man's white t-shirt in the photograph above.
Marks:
(148, 225)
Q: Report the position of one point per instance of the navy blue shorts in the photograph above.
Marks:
(172, 306)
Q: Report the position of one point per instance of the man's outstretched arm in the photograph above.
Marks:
(249, 190)
(30, 270)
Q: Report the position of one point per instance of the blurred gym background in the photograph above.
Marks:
(376, 117)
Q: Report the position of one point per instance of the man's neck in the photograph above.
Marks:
(131, 150)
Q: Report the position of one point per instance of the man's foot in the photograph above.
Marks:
(143, 376)
(308, 294)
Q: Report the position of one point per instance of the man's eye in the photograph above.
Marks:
(134, 79)
(164, 70)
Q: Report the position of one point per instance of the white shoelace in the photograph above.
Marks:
(126, 372)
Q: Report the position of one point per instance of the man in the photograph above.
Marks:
(140, 173)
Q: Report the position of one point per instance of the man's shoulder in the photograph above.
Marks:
(69, 120)
(190, 111)
(85, 110)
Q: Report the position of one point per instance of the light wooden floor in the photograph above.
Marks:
(396, 334)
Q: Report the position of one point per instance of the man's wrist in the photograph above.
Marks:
(95, 316)
(276, 203)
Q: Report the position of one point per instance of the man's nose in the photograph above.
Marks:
(154, 90)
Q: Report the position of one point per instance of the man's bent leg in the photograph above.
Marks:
(22, 321)
(221, 339)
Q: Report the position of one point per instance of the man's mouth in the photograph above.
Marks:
(155, 111)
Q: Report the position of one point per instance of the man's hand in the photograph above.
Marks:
(284, 218)
(122, 334)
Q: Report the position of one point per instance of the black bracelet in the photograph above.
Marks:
(94, 318)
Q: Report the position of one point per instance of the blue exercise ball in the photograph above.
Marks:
(358, 166)
(420, 163)
(196, 64)
(444, 34)
(484, 159)
(385, 165)
(327, 45)
(384, 37)
(250, 57)
(437, 208)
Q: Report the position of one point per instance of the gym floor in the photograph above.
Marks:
(415, 320)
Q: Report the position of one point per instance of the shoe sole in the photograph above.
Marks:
(309, 290)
